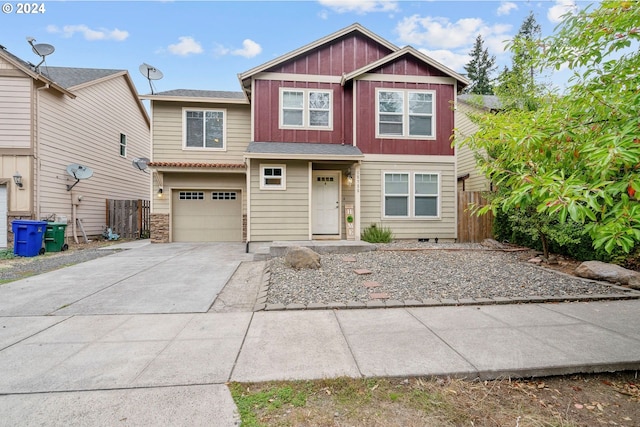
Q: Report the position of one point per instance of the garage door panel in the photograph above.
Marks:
(207, 216)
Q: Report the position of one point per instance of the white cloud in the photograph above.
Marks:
(88, 33)
(440, 33)
(360, 6)
(186, 46)
(506, 7)
(249, 49)
(562, 7)
(323, 14)
(455, 61)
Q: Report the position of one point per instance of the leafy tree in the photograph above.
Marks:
(479, 69)
(577, 155)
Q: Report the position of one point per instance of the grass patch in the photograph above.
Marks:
(555, 401)
(375, 234)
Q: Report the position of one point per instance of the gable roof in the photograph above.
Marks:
(314, 45)
(191, 95)
(407, 50)
(69, 79)
(29, 69)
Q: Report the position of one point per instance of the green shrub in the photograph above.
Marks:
(6, 254)
(375, 234)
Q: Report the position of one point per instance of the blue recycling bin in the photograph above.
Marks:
(27, 237)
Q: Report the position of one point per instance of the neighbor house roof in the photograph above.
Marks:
(70, 79)
(294, 150)
(180, 95)
(491, 102)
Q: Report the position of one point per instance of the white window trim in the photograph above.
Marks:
(405, 114)
(305, 109)
(412, 197)
(120, 145)
(437, 195)
(282, 186)
(184, 129)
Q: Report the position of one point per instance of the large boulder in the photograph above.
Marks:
(299, 257)
(598, 270)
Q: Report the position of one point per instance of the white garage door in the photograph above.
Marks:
(207, 216)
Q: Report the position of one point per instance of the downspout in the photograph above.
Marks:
(36, 157)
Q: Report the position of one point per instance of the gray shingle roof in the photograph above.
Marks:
(68, 77)
(190, 93)
(491, 102)
(305, 149)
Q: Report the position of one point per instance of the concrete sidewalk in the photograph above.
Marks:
(79, 367)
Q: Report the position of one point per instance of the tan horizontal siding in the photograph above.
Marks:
(168, 139)
(371, 200)
(86, 130)
(466, 157)
(280, 215)
(15, 112)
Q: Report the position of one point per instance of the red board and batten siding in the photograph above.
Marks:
(366, 118)
(267, 114)
(342, 55)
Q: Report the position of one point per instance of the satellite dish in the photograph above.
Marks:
(141, 163)
(78, 172)
(40, 49)
(151, 73)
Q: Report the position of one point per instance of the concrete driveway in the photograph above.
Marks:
(165, 278)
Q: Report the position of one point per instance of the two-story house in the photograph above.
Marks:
(321, 142)
(54, 117)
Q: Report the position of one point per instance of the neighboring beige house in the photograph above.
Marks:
(320, 143)
(469, 177)
(54, 117)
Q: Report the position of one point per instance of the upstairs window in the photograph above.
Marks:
(306, 109)
(405, 114)
(123, 145)
(204, 129)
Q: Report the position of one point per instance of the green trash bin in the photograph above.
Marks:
(54, 237)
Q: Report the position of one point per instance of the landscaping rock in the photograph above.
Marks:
(598, 270)
(493, 244)
(299, 257)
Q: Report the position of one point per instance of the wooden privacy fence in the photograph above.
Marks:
(129, 218)
(473, 228)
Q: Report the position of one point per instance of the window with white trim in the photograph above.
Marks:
(123, 145)
(411, 195)
(272, 177)
(405, 113)
(306, 109)
(204, 129)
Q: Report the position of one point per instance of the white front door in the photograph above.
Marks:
(325, 202)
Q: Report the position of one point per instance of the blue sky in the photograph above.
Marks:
(205, 44)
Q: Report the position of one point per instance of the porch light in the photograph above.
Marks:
(349, 178)
(17, 178)
(159, 193)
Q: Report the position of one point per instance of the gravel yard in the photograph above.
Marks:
(436, 271)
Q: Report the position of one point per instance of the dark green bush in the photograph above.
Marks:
(375, 234)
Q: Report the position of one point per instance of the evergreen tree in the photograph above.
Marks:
(517, 85)
(479, 69)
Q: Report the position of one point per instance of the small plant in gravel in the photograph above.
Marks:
(7, 254)
(375, 234)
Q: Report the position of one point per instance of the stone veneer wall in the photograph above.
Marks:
(244, 228)
(159, 228)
